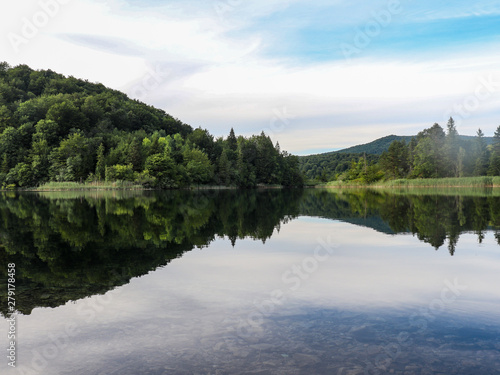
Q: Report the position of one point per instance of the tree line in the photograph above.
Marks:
(433, 153)
(57, 128)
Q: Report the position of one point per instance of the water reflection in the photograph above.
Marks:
(432, 217)
(66, 248)
(377, 303)
(71, 245)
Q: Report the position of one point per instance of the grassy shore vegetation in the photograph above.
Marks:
(122, 185)
(432, 158)
(94, 185)
(66, 130)
(484, 181)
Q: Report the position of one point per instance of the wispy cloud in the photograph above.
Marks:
(230, 63)
(441, 10)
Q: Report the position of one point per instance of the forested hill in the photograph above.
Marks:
(28, 96)
(380, 145)
(377, 146)
(326, 166)
(57, 128)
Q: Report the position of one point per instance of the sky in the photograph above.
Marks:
(314, 75)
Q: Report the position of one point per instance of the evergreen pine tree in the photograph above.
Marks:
(452, 148)
(480, 155)
(232, 142)
(494, 167)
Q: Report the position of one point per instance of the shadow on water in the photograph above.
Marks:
(69, 245)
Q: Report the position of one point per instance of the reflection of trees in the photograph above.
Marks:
(432, 218)
(69, 247)
(66, 249)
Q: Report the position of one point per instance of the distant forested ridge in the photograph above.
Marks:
(57, 128)
(376, 147)
(325, 167)
(432, 153)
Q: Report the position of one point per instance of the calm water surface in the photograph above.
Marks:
(253, 282)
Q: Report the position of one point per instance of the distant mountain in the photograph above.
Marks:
(378, 146)
(326, 165)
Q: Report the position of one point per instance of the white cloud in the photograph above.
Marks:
(217, 74)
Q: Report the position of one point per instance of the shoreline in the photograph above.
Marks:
(83, 187)
(403, 186)
(444, 182)
(489, 182)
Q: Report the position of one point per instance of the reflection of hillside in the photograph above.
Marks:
(72, 245)
(66, 249)
(321, 203)
(432, 218)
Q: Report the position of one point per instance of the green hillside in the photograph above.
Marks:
(56, 129)
(326, 166)
(377, 146)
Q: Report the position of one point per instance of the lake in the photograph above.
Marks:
(253, 282)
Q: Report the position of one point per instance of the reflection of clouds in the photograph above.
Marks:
(181, 312)
(368, 267)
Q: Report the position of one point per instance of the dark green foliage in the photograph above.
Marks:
(429, 159)
(135, 155)
(326, 167)
(255, 161)
(481, 155)
(232, 143)
(57, 128)
(224, 169)
(395, 161)
(494, 167)
(452, 150)
(245, 164)
(204, 141)
(100, 168)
